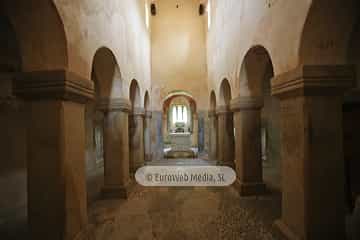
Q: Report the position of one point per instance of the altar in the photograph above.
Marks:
(180, 146)
(180, 141)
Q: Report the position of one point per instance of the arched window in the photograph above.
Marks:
(179, 114)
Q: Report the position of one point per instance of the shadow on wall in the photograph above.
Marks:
(13, 174)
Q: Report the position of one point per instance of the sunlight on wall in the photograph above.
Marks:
(209, 14)
(147, 15)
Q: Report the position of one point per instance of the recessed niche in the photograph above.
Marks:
(201, 9)
(153, 9)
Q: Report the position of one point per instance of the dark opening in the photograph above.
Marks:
(153, 9)
(201, 9)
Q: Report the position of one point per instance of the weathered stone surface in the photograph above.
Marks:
(247, 122)
(312, 151)
(136, 138)
(226, 151)
(186, 213)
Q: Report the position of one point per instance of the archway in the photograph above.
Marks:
(147, 128)
(255, 77)
(351, 134)
(108, 85)
(311, 120)
(43, 43)
(226, 151)
(136, 128)
(13, 121)
(257, 125)
(326, 32)
(56, 195)
(180, 128)
(225, 94)
(135, 98)
(213, 127)
(212, 101)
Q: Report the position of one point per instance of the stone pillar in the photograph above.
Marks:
(313, 205)
(247, 121)
(147, 136)
(195, 131)
(213, 135)
(56, 153)
(164, 125)
(225, 137)
(116, 147)
(137, 139)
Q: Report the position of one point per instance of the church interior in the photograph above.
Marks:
(91, 91)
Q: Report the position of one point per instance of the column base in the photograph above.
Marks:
(135, 168)
(284, 231)
(122, 192)
(148, 157)
(228, 164)
(86, 233)
(250, 189)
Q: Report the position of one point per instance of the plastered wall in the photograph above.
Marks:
(117, 25)
(178, 43)
(293, 32)
(236, 26)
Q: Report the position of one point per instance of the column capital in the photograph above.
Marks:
(148, 114)
(246, 103)
(314, 80)
(138, 111)
(223, 110)
(352, 96)
(53, 84)
(114, 105)
(212, 113)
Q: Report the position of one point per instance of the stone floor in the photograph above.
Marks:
(186, 213)
(182, 162)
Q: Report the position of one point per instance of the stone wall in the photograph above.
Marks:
(157, 144)
(13, 176)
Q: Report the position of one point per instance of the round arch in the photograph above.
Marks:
(167, 101)
(106, 74)
(146, 101)
(225, 93)
(326, 32)
(178, 93)
(256, 66)
(43, 44)
(10, 58)
(134, 93)
(212, 101)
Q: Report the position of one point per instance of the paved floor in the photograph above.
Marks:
(185, 214)
(182, 162)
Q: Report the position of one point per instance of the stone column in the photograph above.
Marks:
(225, 137)
(116, 147)
(195, 131)
(137, 139)
(164, 125)
(313, 205)
(147, 136)
(247, 121)
(213, 135)
(56, 153)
